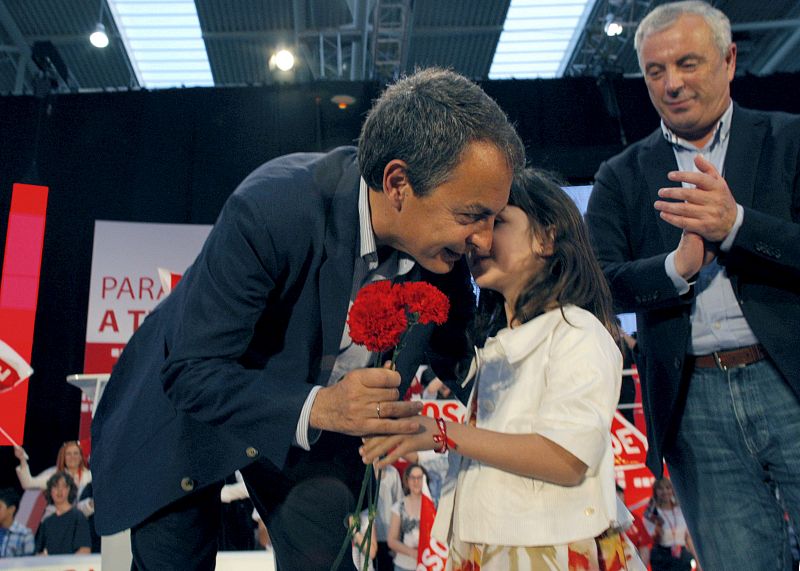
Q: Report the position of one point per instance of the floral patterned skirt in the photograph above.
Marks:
(606, 552)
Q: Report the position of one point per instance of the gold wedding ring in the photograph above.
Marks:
(378, 409)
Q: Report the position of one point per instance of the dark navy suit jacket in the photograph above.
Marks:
(218, 373)
(762, 168)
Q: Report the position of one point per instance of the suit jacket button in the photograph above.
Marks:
(187, 484)
(589, 511)
(677, 363)
(251, 452)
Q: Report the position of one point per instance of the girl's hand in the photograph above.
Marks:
(383, 450)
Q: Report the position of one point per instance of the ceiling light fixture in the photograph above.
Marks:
(343, 101)
(282, 59)
(99, 38)
(612, 27)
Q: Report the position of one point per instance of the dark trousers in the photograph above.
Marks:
(304, 506)
(181, 536)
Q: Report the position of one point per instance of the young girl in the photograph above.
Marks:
(535, 471)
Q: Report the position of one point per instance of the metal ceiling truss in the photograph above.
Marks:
(374, 45)
(596, 52)
(19, 53)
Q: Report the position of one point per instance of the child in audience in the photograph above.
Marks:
(16, 540)
(70, 459)
(534, 466)
(66, 531)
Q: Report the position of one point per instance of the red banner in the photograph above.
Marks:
(19, 293)
(630, 453)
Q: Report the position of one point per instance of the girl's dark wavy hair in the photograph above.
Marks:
(571, 276)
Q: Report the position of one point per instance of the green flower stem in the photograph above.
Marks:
(373, 496)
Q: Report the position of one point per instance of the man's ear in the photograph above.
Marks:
(396, 185)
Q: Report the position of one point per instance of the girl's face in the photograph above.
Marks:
(516, 256)
(72, 457)
(414, 480)
(664, 492)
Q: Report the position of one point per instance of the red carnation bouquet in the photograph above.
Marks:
(380, 318)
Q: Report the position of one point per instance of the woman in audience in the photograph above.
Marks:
(71, 460)
(663, 519)
(403, 536)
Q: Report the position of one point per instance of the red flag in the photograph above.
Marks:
(168, 278)
(431, 555)
(14, 373)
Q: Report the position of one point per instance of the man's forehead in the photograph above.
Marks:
(688, 30)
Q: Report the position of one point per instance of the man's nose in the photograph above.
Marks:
(481, 239)
(673, 82)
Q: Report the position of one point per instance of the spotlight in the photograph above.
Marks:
(99, 38)
(283, 60)
(612, 27)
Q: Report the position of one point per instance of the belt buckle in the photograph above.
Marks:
(718, 361)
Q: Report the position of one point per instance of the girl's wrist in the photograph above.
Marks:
(441, 441)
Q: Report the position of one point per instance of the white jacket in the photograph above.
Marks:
(557, 378)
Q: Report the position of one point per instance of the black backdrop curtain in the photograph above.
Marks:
(174, 156)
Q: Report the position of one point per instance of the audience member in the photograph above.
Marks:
(434, 387)
(359, 549)
(70, 459)
(390, 492)
(16, 540)
(697, 228)
(436, 466)
(65, 531)
(404, 528)
(672, 545)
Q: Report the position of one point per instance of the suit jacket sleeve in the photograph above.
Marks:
(767, 245)
(235, 283)
(617, 219)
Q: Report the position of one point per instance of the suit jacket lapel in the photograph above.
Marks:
(746, 138)
(655, 161)
(336, 272)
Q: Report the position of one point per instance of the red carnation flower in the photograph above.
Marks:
(376, 320)
(426, 301)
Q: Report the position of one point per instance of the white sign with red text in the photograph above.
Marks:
(126, 283)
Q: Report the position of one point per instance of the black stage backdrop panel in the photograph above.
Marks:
(174, 156)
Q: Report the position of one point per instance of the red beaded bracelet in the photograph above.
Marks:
(441, 439)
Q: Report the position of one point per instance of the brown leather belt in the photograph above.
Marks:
(731, 359)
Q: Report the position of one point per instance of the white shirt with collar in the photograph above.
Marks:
(559, 378)
(717, 319)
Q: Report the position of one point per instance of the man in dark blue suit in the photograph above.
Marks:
(248, 363)
(698, 230)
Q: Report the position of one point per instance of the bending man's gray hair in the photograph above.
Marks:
(665, 15)
(427, 120)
